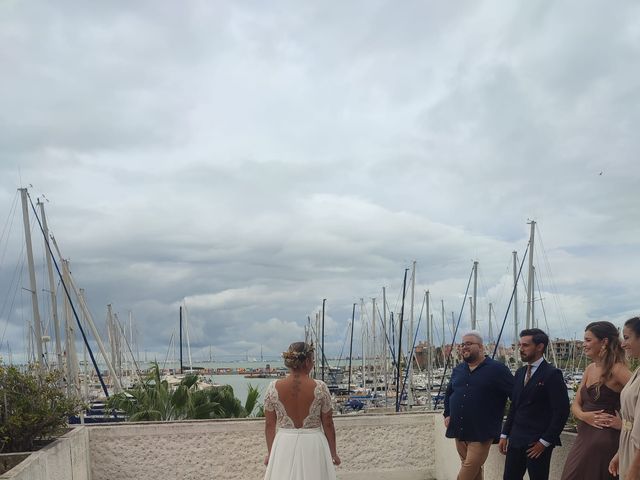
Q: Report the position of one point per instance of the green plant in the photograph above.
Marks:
(32, 407)
(154, 399)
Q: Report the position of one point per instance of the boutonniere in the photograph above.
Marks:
(540, 384)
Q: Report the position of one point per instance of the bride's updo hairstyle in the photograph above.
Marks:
(297, 355)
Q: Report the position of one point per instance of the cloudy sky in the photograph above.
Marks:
(248, 159)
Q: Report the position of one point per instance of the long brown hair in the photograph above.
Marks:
(611, 353)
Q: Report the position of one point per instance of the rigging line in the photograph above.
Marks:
(386, 336)
(505, 275)
(324, 359)
(73, 307)
(541, 288)
(453, 340)
(413, 347)
(544, 314)
(398, 302)
(138, 371)
(166, 358)
(13, 299)
(9, 221)
(504, 321)
(551, 280)
(10, 216)
(343, 345)
(17, 273)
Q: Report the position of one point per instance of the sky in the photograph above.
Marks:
(247, 160)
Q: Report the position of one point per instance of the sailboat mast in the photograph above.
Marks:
(399, 370)
(429, 345)
(411, 338)
(324, 300)
(52, 288)
(444, 356)
(69, 281)
(186, 329)
(384, 348)
(373, 348)
(315, 366)
(112, 341)
(530, 290)
(490, 326)
(353, 317)
(363, 327)
(515, 301)
(85, 369)
(180, 338)
(37, 325)
(474, 318)
(72, 357)
(534, 322)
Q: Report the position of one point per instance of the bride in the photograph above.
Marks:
(304, 447)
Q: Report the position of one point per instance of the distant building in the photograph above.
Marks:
(566, 349)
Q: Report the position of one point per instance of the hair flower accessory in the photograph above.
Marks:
(298, 354)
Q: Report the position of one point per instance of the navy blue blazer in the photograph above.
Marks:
(538, 410)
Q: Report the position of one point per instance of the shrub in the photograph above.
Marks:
(33, 407)
(154, 400)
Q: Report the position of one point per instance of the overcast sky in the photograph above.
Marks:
(249, 159)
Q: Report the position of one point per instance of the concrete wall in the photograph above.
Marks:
(448, 462)
(65, 459)
(390, 447)
(408, 446)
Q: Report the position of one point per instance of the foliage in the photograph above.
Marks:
(154, 399)
(33, 407)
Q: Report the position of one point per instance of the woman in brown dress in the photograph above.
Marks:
(596, 403)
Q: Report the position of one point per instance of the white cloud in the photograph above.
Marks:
(255, 159)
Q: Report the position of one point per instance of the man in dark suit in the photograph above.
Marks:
(538, 413)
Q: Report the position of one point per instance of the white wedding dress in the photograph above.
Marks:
(300, 453)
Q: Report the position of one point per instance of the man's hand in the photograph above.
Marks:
(446, 422)
(503, 444)
(535, 450)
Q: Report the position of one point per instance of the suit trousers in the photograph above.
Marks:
(518, 462)
(473, 455)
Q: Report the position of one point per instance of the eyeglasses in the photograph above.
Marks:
(468, 344)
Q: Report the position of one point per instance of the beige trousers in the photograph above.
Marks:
(473, 456)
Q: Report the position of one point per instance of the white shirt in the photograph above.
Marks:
(534, 367)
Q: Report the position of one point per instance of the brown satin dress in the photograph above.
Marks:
(594, 448)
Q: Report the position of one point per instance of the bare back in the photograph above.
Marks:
(298, 401)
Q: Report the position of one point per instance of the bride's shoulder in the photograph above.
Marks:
(272, 386)
(320, 385)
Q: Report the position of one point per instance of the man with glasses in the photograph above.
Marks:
(474, 405)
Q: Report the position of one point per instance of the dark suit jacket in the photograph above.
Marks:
(538, 410)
